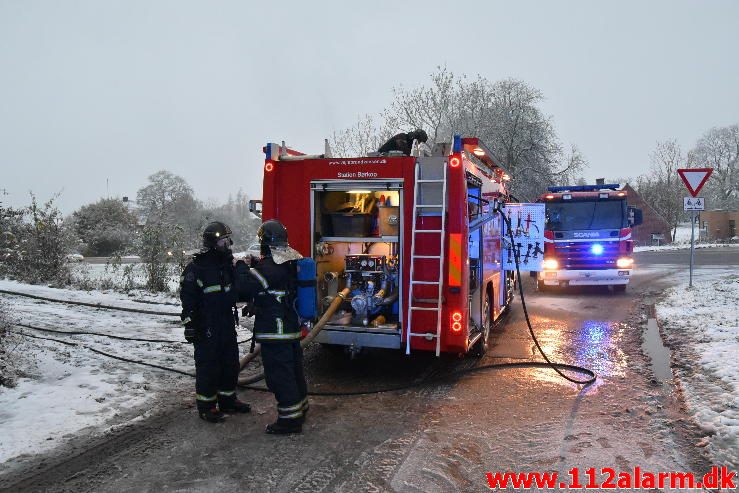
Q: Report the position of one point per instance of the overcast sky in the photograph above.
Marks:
(96, 91)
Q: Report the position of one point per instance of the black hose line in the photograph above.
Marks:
(448, 376)
(110, 336)
(119, 358)
(92, 305)
(557, 367)
(554, 366)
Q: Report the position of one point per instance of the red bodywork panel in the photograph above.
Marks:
(287, 197)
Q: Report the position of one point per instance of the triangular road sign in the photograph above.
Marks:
(694, 178)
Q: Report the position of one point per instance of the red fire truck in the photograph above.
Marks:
(416, 239)
(587, 236)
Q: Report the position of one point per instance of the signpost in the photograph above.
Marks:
(694, 204)
(694, 179)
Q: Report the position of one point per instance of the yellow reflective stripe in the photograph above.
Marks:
(290, 416)
(277, 294)
(212, 289)
(259, 277)
(206, 398)
(200, 283)
(280, 327)
(186, 321)
(297, 406)
(291, 335)
(227, 393)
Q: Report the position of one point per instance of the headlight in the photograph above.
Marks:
(624, 262)
(550, 264)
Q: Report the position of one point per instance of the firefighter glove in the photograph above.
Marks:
(190, 331)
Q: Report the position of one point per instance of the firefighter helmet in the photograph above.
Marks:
(272, 236)
(272, 233)
(215, 232)
(418, 135)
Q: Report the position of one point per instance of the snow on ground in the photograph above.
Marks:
(162, 302)
(683, 246)
(701, 325)
(682, 240)
(117, 276)
(68, 391)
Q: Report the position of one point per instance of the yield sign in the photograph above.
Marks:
(694, 178)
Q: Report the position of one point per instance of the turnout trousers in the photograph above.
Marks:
(284, 375)
(216, 367)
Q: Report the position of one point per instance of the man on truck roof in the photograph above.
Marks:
(403, 142)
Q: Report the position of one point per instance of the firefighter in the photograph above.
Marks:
(402, 142)
(209, 295)
(272, 287)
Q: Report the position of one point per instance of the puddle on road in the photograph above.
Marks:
(659, 355)
(595, 345)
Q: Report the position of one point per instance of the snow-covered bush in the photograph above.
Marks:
(34, 244)
(8, 371)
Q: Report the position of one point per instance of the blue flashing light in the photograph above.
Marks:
(457, 144)
(597, 249)
(584, 188)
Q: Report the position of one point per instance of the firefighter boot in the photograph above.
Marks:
(285, 427)
(211, 414)
(231, 404)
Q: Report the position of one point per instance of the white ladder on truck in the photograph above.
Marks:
(419, 206)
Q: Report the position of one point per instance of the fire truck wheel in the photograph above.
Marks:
(619, 288)
(541, 286)
(481, 346)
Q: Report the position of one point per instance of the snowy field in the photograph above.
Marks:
(117, 276)
(682, 241)
(66, 392)
(702, 327)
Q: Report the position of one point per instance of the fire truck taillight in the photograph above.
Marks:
(550, 197)
(269, 167)
(550, 264)
(624, 262)
(455, 162)
(457, 322)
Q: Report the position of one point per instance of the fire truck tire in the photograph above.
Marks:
(619, 288)
(481, 346)
(541, 286)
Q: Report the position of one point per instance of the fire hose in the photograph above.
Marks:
(335, 304)
(557, 367)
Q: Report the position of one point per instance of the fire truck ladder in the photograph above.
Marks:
(421, 206)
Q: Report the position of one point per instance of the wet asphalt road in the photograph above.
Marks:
(439, 437)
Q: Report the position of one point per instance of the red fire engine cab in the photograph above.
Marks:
(416, 239)
(587, 236)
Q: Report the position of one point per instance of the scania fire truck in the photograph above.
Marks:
(416, 239)
(587, 236)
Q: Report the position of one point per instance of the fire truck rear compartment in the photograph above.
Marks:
(357, 230)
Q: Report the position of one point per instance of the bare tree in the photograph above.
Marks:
(719, 149)
(365, 136)
(505, 115)
(661, 187)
